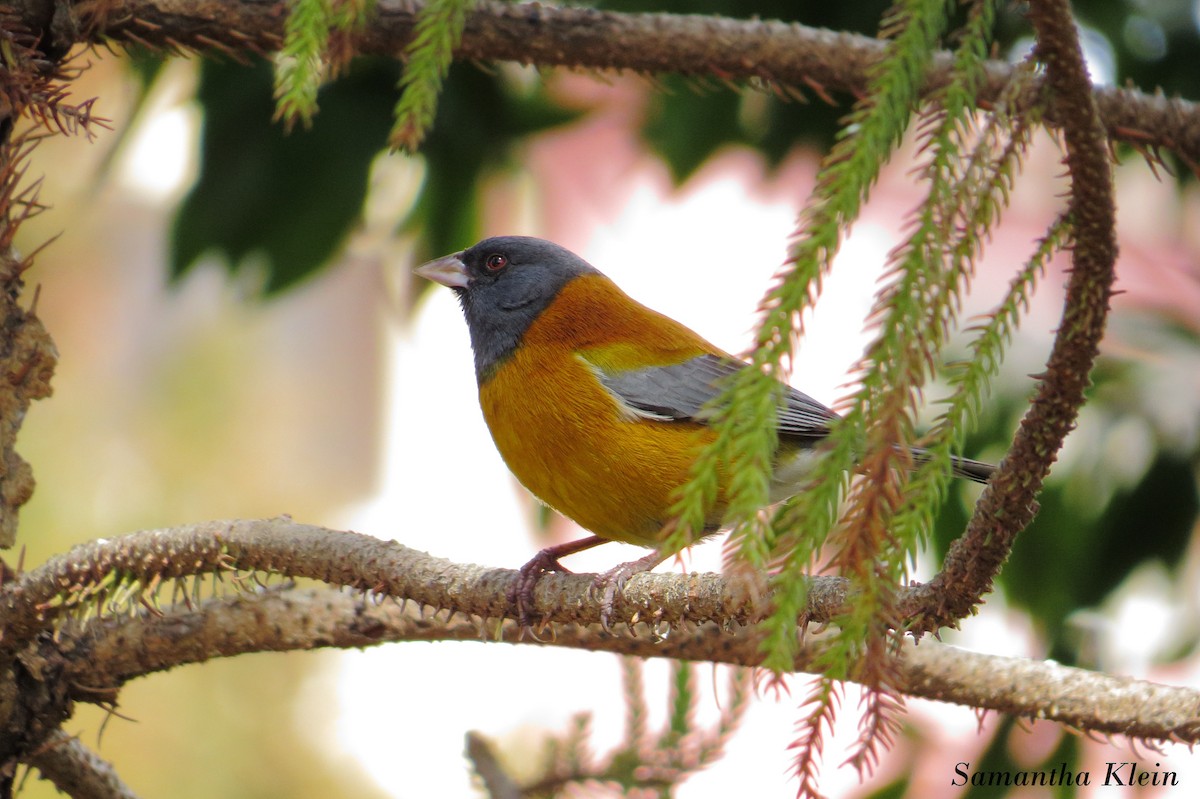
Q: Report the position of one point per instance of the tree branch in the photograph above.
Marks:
(703, 611)
(699, 607)
(1008, 504)
(780, 53)
(77, 771)
(121, 648)
(135, 568)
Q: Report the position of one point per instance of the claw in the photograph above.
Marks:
(613, 581)
(520, 592)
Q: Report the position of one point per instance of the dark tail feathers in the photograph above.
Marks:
(978, 471)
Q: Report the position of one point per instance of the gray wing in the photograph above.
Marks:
(686, 391)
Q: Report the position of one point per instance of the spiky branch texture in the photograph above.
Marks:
(810, 60)
(1009, 501)
(153, 625)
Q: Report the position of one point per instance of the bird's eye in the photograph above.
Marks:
(495, 262)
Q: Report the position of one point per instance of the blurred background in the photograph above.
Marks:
(240, 337)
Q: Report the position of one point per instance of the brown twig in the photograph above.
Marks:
(77, 771)
(1008, 504)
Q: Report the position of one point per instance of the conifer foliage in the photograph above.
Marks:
(838, 554)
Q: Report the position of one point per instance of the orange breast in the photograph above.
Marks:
(566, 438)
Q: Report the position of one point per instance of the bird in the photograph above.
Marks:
(600, 405)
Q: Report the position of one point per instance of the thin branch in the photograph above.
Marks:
(77, 771)
(122, 648)
(1008, 504)
(782, 53)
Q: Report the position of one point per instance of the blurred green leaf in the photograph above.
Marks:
(684, 127)
(287, 202)
(1074, 555)
(145, 64)
(1153, 45)
(686, 124)
(289, 199)
(897, 789)
(481, 121)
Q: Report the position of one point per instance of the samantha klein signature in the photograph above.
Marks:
(1115, 774)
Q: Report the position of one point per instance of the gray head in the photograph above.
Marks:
(503, 283)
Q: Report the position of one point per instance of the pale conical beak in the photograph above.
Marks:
(448, 270)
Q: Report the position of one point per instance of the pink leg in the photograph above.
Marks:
(521, 595)
(613, 582)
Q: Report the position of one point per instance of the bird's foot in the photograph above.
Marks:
(520, 593)
(612, 582)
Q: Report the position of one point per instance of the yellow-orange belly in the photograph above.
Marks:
(569, 442)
